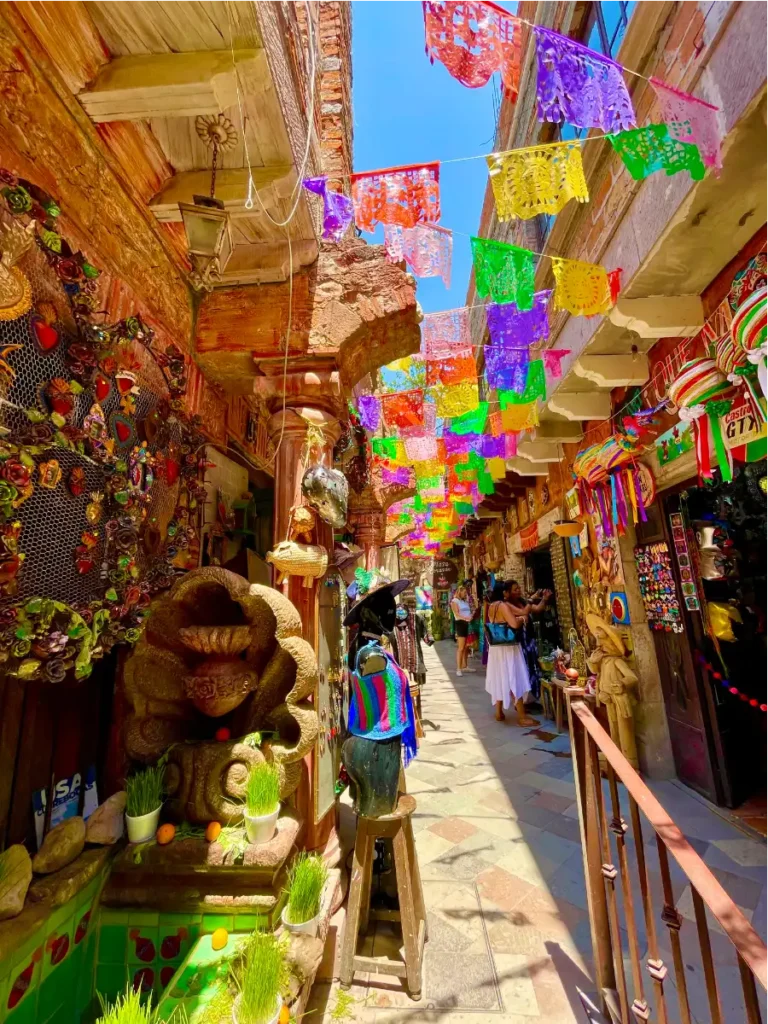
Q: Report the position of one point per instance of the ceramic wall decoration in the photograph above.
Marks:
(95, 443)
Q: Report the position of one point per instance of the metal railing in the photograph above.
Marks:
(612, 856)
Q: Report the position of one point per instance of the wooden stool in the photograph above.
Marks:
(411, 915)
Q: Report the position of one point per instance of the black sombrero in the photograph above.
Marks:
(368, 582)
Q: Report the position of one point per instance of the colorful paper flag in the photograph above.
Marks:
(552, 358)
(405, 409)
(584, 289)
(649, 149)
(456, 400)
(576, 86)
(520, 417)
(691, 120)
(506, 367)
(473, 39)
(369, 409)
(503, 272)
(451, 369)
(539, 179)
(399, 195)
(445, 334)
(338, 210)
(510, 327)
(426, 248)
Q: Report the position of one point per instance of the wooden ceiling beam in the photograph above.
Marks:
(138, 88)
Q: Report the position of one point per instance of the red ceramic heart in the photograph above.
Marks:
(46, 335)
(123, 431)
(171, 471)
(103, 387)
(124, 384)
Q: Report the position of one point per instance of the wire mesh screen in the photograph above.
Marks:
(33, 352)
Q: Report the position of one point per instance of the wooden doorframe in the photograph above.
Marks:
(692, 638)
(715, 783)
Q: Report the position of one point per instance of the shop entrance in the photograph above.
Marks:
(728, 522)
(713, 670)
(539, 576)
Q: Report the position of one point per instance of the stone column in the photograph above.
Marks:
(369, 527)
(288, 431)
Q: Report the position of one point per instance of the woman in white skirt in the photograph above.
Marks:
(506, 678)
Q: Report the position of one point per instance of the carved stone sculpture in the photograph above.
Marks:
(219, 648)
(616, 684)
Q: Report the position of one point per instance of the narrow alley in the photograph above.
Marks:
(497, 836)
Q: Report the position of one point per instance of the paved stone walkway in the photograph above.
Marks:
(498, 844)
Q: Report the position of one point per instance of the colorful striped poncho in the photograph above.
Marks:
(380, 707)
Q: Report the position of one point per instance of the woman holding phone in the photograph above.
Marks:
(462, 616)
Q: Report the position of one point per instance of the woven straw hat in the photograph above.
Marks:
(594, 622)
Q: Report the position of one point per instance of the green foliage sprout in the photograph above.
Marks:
(144, 791)
(305, 887)
(129, 1009)
(263, 974)
(262, 790)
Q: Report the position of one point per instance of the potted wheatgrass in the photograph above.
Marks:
(144, 798)
(262, 802)
(133, 1007)
(259, 981)
(306, 880)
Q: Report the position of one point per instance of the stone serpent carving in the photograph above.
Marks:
(218, 650)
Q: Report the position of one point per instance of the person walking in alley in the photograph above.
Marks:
(513, 595)
(506, 678)
(462, 616)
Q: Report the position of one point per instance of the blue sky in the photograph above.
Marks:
(407, 110)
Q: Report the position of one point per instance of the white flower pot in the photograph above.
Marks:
(305, 928)
(142, 828)
(260, 830)
(236, 1019)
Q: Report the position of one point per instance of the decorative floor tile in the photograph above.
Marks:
(499, 849)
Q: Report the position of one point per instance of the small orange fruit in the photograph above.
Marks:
(285, 1015)
(165, 834)
(213, 831)
(219, 938)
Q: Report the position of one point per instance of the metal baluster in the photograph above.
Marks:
(619, 828)
(673, 920)
(609, 873)
(706, 957)
(750, 994)
(597, 907)
(655, 965)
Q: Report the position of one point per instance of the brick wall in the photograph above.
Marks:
(674, 42)
(335, 36)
